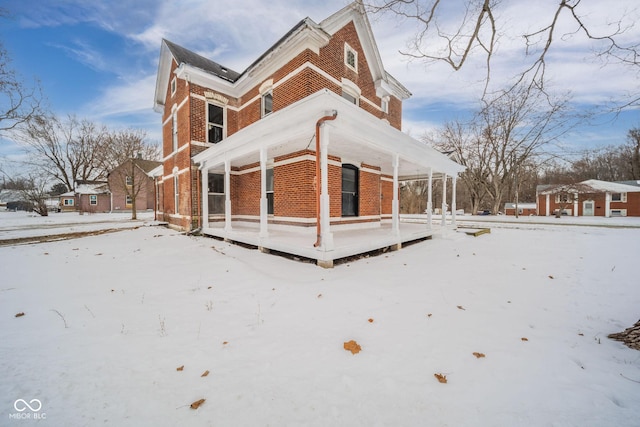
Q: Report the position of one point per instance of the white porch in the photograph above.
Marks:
(352, 135)
(346, 242)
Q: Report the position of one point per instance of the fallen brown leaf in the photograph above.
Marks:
(352, 346)
(180, 368)
(524, 339)
(441, 378)
(461, 307)
(370, 320)
(478, 355)
(429, 315)
(319, 295)
(197, 403)
(20, 314)
(225, 342)
(205, 373)
(550, 277)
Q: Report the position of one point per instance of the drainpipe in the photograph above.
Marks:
(318, 226)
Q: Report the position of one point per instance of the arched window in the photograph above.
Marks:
(349, 190)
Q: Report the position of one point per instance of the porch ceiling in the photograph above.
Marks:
(355, 136)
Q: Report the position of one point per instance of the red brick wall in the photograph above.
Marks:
(245, 192)
(369, 192)
(387, 195)
(294, 188)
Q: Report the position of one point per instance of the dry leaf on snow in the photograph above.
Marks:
(205, 373)
(197, 403)
(20, 314)
(478, 355)
(524, 339)
(181, 368)
(370, 320)
(352, 346)
(461, 307)
(441, 378)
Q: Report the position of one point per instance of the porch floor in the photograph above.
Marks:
(346, 242)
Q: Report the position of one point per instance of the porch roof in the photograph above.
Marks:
(355, 135)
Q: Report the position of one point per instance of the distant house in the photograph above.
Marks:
(13, 200)
(133, 178)
(525, 209)
(589, 198)
(88, 196)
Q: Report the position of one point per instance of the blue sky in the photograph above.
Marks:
(98, 58)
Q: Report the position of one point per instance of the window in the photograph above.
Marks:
(93, 199)
(350, 58)
(129, 180)
(215, 123)
(349, 190)
(352, 99)
(564, 198)
(384, 104)
(176, 194)
(174, 131)
(267, 103)
(216, 193)
(128, 201)
(270, 191)
(68, 202)
(173, 86)
(350, 91)
(619, 197)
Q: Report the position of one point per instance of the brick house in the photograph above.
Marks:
(306, 140)
(589, 198)
(87, 196)
(129, 178)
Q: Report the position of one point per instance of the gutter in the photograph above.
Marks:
(318, 226)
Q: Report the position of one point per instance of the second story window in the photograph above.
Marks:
(215, 123)
(267, 103)
(350, 91)
(128, 181)
(174, 131)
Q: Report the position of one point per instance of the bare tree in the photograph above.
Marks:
(36, 193)
(67, 150)
(633, 149)
(18, 102)
(127, 152)
(454, 31)
(502, 141)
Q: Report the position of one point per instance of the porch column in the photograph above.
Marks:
(263, 193)
(575, 204)
(326, 236)
(430, 200)
(395, 204)
(453, 201)
(444, 200)
(607, 205)
(547, 205)
(205, 195)
(227, 195)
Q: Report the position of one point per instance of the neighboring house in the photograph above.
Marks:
(525, 209)
(307, 138)
(132, 177)
(88, 196)
(589, 198)
(13, 200)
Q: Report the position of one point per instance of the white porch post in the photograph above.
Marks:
(263, 193)
(575, 204)
(453, 201)
(607, 205)
(547, 205)
(395, 204)
(205, 196)
(430, 200)
(444, 200)
(326, 236)
(227, 195)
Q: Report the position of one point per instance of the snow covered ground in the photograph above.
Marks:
(109, 319)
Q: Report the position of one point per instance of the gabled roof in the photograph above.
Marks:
(305, 34)
(147, 165)
(91, 187)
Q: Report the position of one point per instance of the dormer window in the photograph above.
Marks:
(350, 57)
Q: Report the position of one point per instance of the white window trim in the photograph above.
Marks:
(93, 199)
(384, 104)
(176, 191)
(347, 49)
(68, 202)
(351, 89)
(174, 129)
(174, 86)
(224, 118)
(623, 198)
(128, 200)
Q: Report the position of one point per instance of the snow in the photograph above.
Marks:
(108, 319)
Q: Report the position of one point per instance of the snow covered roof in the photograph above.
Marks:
(591, 186)
(91, 187)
